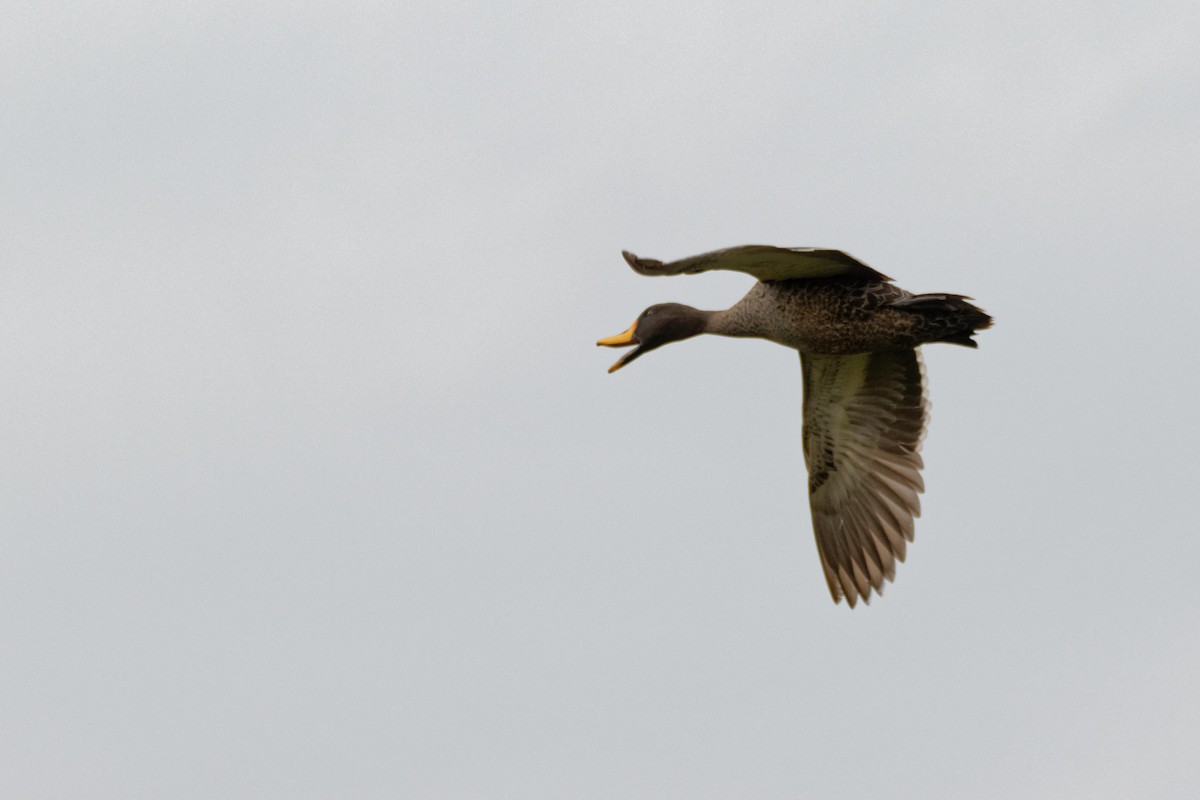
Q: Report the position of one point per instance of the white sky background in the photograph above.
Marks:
(313, 484)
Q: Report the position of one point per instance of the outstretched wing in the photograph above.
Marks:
(764, 262)
(864, 419)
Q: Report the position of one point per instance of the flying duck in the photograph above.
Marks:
(865, 405)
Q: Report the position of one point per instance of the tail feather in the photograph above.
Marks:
(962, 337)
(951, 317)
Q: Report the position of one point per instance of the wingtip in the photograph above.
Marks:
(641, 266)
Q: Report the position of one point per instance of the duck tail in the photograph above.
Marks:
(948, 317)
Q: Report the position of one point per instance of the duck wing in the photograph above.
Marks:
(864, 419)
(764, 262)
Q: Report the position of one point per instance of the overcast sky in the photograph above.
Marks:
(313, 483)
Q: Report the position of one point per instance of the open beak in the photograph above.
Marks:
(626, 339)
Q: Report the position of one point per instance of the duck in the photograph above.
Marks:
(865, 401)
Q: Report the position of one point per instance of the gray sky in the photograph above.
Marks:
(314, 485)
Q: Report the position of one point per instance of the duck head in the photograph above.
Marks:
(654, 327)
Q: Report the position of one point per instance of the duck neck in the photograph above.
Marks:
(727, 322)
(695, 321)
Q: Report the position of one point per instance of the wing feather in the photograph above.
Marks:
(864, 421)
(765, 262)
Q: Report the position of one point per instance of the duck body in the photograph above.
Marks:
(864, 406)
(835, 316)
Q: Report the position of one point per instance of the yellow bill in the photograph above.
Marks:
(625, 339)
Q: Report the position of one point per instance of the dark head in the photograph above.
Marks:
(657, 325)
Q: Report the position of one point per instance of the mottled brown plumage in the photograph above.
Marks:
(865, 408)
